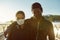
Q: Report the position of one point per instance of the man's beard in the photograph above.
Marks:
(38, 15)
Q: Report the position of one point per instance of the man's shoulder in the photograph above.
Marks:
(29, 19)
(47, 21)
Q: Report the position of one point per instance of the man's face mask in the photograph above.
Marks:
(20, 21)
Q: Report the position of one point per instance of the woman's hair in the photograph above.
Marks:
(20, 12)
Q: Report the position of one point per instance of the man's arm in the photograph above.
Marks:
(6, 31)
(9, 28)
(51, 32)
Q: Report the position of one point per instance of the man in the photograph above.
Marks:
(38, 27)
(15, 30)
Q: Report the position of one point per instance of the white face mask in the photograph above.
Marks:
(20, 21)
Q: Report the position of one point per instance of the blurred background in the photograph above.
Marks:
(8, 9)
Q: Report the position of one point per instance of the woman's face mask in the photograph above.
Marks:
(20, 21)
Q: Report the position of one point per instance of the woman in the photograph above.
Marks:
(16, 30)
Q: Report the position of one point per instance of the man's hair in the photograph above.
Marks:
(20, 12)
(37, 5)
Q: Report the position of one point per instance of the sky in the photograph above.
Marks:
(8, 8)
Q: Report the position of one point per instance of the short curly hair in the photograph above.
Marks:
(37, 5)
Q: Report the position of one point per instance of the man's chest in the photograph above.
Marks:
(41, 25)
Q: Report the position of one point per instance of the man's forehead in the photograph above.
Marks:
(36, 9)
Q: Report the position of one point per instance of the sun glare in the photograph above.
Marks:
(5, 13)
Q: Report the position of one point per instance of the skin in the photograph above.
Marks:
(19, 16)
(37, 12)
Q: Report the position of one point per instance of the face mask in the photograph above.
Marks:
(20, 21)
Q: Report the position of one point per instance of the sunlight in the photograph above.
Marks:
(6, 13)
(57, 30)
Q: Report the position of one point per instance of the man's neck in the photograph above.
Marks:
(38, 18)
